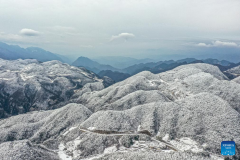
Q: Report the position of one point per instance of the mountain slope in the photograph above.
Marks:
(116, 76)
(92, 65)
(233, 72)
(165, 67)
(191, 101)
(216, 62)
(183, 118)
(27, 85)
(147, 81)
(13, 52)
(184, 113)
(42, 55)
(121, 62)
(41, 128)
(237, 80)
(24, 150)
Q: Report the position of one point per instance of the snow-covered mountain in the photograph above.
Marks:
(184, 113)
(235, 72)
(27, 85)
(237, 80)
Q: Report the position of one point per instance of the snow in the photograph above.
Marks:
(189, 101)
(216, 157)
(151, 83)
(110, 149)
(25, 77)
(62, 155)
(186, 143)
(85, 74)
(72, 128)
(139, 128)
(37, 79)
(94, 157)
(77, 142)
(91, 128)
(234, 71)
(166, 137)
(6, 79)
(204, 145)
(168, 151)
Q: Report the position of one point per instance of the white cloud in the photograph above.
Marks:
(218, 44)
(68, 24)
(202, 45)
(125, 36)
(227, 44)
(29, 32)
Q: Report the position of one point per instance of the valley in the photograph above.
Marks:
(183, 113)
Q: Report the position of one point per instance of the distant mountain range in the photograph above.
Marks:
(116, 67)
(160, 66)
(118, 74)
(121, 62)
(13, 52)
(92, 65)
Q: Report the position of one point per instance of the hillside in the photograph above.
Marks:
(13, 52)
(184, 113)
(92, 65)
(116, 76)
(27, 85)
(121, 62)
(233, 72)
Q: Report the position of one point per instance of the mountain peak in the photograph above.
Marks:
(13, 52)
(84, 58)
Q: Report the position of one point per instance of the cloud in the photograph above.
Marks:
(218, 44)
(124, 36)
(202, 45)
(227, 44)
(29, 32)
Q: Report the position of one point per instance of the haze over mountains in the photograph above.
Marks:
(12, 52)
(121, 62)
(115, 67)
(92, 65)
(169, 109)
(155, 67)
(114, 75)
(183, 113)
(119, 79)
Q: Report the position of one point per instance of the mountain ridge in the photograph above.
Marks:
(92, 65)
(27, 85)
(187, 108)
(13, 52)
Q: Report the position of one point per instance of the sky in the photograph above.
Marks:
(133, 28)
